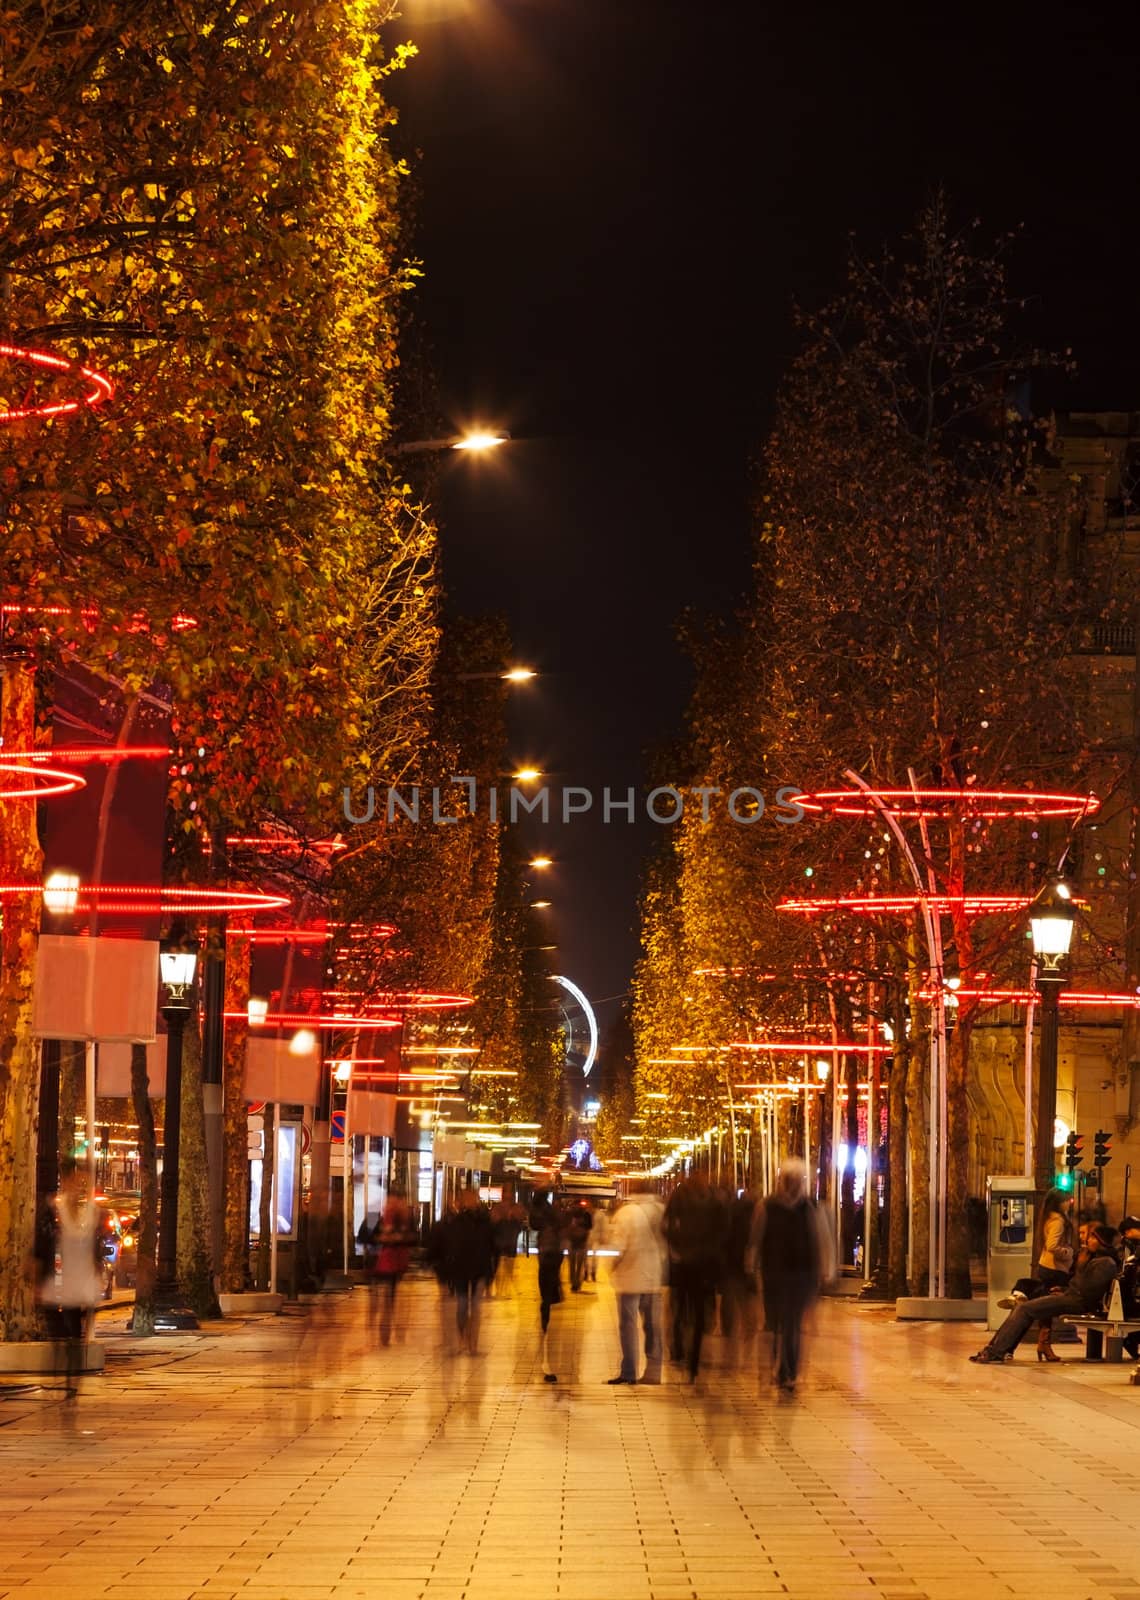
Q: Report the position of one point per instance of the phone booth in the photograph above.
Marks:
(1011, 1206)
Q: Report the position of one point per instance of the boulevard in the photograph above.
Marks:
(291, 1457)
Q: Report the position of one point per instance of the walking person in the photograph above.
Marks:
(788, 1250)
(578, 1231)
(599, 1241)
(1097, 1266)
(546, 1224)
(695, 1229)
(508, 1226)
(637, 1273)
(393, 1239)
(68, 1266)
(738, 1297)
(470, 1266)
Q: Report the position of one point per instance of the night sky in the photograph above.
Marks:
(619, 201)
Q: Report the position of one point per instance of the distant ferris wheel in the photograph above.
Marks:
(581, 1027)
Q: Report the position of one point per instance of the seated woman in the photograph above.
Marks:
(1084, 1295)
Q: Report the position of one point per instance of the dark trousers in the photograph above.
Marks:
(67, 1325)
(691, 1287)
(1029, 1312)
(785, 1306)
(577, 1266)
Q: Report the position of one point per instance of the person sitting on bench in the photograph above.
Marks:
(1096, 1269)
(1130, 1281)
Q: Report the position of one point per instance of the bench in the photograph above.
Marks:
(1106, 1335)
(1108, 1328)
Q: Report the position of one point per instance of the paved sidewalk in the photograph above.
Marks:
(292, 1458)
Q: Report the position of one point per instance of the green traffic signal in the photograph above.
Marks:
(1064, 1180)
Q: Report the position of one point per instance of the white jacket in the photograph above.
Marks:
(638, 1236)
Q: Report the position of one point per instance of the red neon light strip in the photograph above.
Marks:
(100, 386)
(119, 899)
(974, 905)
(1021, 997)
(308, 1019)
(936, 802)
(820, 1046)
(92, 752)
(409, 1000)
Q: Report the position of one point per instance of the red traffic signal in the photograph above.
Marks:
(1101, 1149)
(1073, 1150)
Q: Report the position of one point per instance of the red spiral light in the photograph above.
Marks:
(100, 386)
(130, 899)
(47, 781)
(974, 905)
(935, 803)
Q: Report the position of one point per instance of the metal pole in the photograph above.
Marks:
(1044, 1160)
(1027, 1136)
(273, 1197)
(807, 1128)
(175, 1018)
(89, 1110)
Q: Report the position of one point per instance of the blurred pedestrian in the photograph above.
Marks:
(68, 1266)
(789, 1254)
(738, 1296)
(546, 1225)
(470, 1264)
(435, 1255)
(637, 1273)
(1097, 1266)
(508, 1226)
(578, 1229)
(695, 1230)
(599, 1241)
(393, 1240)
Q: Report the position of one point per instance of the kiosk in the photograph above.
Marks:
(1011, 1207)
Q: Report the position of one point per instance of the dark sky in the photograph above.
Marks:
(619, 202)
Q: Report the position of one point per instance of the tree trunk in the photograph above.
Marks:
(826, 1151)
(235, 1143)
(146, 1231)
(194, 1268)
(917, 1092)
(72, 1095)
(896, 1161)
(958, 1163)
(21, 861)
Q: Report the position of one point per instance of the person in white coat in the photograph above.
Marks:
(637, 1273)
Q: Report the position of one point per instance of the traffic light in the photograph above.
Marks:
(1101, 1156)
(1065, 1181)
(1073, 1154)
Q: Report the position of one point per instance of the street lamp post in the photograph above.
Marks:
(1051, 924)
(177, 966)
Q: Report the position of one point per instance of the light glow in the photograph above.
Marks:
(591, 1021)
(935, 803)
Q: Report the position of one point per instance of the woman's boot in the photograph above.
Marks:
(1044, 1348)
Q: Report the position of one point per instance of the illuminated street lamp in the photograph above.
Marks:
(178, 963)
(539, 862)
(1051, 925)
(477, 441)
(527, 775)
(61, 893)
(256, 1010)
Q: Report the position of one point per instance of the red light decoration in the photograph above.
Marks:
(1022, 997)
(315, 1019)
(410, 1000)
(803, 1047)
(93, 752)
(974, 905)
(311, 935)
(266, 844)
(44, 781)
(129, 899)
(935, 803)
(100, 386)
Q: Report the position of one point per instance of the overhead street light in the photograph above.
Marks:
(476, 441)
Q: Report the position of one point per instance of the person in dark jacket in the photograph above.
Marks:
(470, 1265)
(696, 1228)
(546, 1223)
(788, 1253)
(1096, 1269)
